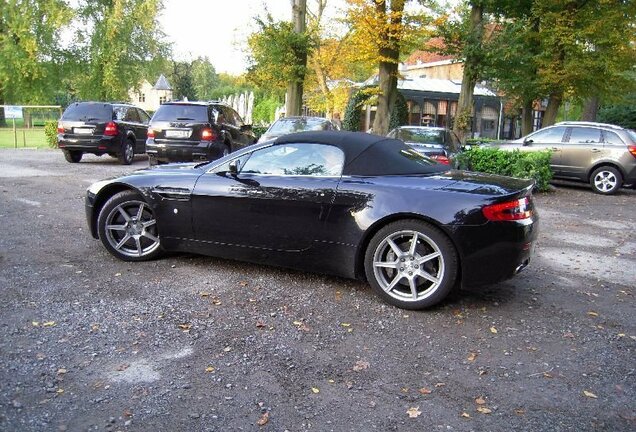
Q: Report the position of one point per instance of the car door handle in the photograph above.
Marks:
(254, 191)
(595, 150)
(555, 149)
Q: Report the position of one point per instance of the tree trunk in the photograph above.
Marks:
(295, 87)
(462, 124)
(590, 109)
(3, 121)
(526, 118)
(554, 103)
(389, 55)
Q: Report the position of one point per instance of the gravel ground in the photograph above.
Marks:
(203, 344)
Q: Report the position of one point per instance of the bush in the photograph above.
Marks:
(50, 131)
(529, 165)
(353, 113)
(479, 141)
(259, 130)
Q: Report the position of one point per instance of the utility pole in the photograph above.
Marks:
(295, 87)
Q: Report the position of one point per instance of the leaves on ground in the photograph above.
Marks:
(592, 314)
(480, 400)
(315, 390)
(472, 356)
(360, 365)
(493, 330)
(263, 420)
(465, 414)
(484, 410)
(590, 394)
(414, 412)
(440, 384)
(210, 369)
(425, 391)
(123, 367)
(185, 326)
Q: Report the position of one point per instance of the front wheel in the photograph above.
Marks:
(73, 156)
(128, 228)
(411, 264)
(127, 153)
(606, 180)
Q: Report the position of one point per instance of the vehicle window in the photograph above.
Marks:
(612, 138)
(296, 159)
(119, 113)
(421, 136)
(581, 135)
(227, 116)
(237, 118)
(290, 125)
(172, 112)
(632, 134)
(143, 116)
(132, 115)
(549, 135)
(88, 112)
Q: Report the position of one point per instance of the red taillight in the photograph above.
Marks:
(509, 210)
(632, 150)
(60, 128)
(441, 159)
(151, 133)
(110, 129)
(208, 134)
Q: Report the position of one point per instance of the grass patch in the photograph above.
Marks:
(25, 138)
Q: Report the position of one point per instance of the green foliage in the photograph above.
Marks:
(265, 110)
(622, 113)
(400, 113)
(479, 141)
(50, 131)
(530, 165)
(182, 81)
(259, 130)
(204, 78)
(353, 114)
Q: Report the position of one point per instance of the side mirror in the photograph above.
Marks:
(234, 167)
(528, 141)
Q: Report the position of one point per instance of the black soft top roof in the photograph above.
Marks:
(367, 154)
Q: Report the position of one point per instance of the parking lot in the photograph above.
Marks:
(197, 343)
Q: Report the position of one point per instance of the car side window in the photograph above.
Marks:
(132, 115)
(582, 135)
(237, 118)
(119, 113)
(612, 138)
(549, 135)
(143, 116)
(296, 159)
(228, 116)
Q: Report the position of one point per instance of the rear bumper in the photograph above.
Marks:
(179, 152)
(485, 261)
(97, 145)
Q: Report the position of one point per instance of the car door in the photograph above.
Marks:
(550, 138)
(227, 122)
(245, 137)
(278, 201)
(581, 147)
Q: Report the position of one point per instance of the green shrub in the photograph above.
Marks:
(479, 141)
(529, 165)
(259, 130)
(353, 112)
(50, 131)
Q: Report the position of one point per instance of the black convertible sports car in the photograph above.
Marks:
(344, 203)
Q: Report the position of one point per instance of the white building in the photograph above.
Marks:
(149, 97)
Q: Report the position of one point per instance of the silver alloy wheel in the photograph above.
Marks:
(408, 265)
(605, 181)
(129, 151)
(131, 229)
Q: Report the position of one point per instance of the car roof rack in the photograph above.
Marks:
(587, 123)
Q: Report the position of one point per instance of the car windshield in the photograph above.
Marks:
(172, 112)
(421, 136)
(88, 112)
(284, 126)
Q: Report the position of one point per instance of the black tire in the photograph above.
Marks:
(399, 277)
(73, 156)
(127, 153)
(606, 180)
(227, 150)
(134, 237)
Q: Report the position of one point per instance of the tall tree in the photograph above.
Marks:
(29, 34)
(295, 85)
(182, 81)
(204, 78)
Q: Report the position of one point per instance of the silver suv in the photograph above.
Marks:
(601, 154)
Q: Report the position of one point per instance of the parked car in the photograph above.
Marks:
(287, 125)
(117, 129)
(343, 203)
(437, 143)
(195, 131)
(602, 155)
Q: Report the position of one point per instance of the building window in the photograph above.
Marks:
(142, 97)
(162, 100)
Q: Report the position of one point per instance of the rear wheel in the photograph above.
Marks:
(127, 153)
(128, 228)
(411, 264)
(227, 149)
(73, 156)
(606, 180)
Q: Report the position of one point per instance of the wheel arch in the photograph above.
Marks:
(381, 223)
(106, 193)
(604, 164)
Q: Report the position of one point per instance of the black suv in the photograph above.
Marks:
(117, 129)
(195, 131)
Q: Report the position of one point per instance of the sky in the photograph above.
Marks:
(219, 29)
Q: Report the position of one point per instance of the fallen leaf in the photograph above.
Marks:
(48, 324)
(35, 324)
(568, 335)
(338, 296)
(547, 375)
(59, 391)
(330, 381)
(210, 369)
(483, 372)
(117, 274)
(493, 330)
(315, 390)
(263, 420)
(61, 371)
(204, 294)
(590, 394)
(94, 327)
(440, 384)
(227, 349)
(520, 411)
(480, 401)
(425, 391)
(260, 324)
(243, 283)
(414, 412)
(472, 356)
(216, 301)
(620, 335)
(345, 324)
(127, 413)
(185, 326)
(465, 415)
(123, 367)
(457, 313)
(484, 410)
(592, 314)
(405, 390)
(360, 365)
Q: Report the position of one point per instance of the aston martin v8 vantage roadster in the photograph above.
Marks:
(343, 203)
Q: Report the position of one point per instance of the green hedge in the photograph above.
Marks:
(50, 131)
(353, 111)
(530, 165)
